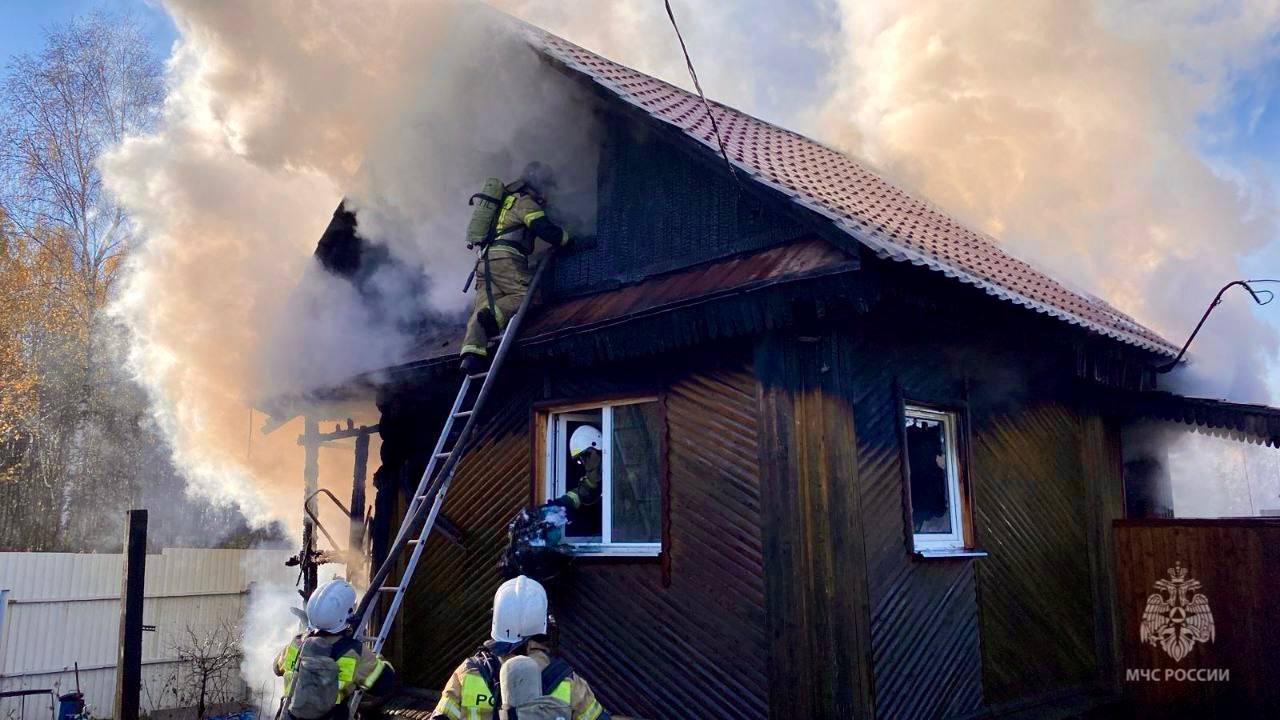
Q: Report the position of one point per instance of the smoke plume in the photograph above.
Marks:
(275, 112)
(1068, 131)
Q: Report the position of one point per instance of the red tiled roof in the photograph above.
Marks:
(871, 210)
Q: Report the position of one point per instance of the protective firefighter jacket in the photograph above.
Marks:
(467, 695)
(502, 272)
(357, 667)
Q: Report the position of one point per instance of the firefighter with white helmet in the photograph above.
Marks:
(324, 665)
(519, 628)
(585, 447)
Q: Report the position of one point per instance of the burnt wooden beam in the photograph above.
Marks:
(310, 482)
(338, 434)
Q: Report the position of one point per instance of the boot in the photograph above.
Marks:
(473, 363)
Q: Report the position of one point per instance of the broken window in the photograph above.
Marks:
(613, 492)
(934, 476)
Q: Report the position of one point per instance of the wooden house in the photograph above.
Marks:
(860, 462)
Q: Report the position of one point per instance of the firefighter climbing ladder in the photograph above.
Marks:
(429, 495)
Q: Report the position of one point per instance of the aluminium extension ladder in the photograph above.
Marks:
(420, 518)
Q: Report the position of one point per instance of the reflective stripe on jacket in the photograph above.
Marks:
(467, 696)
(357, 665)
(518, 212)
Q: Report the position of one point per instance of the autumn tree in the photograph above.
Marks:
(77, 442)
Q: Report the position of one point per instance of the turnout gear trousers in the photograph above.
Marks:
(502, 271)
(507, 282)
(467, 695)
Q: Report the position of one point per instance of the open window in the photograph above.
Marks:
(616, 495)
(935, 481)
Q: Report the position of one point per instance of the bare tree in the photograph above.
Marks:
(209, 668)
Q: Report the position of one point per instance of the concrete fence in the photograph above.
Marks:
(58, 609)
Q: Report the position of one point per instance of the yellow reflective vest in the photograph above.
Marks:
(467, 696)
(357, 666)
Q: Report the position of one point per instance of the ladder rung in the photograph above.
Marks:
(415, 541)
(463, 413)
(444, 454)
(389, 588)
(476, 376)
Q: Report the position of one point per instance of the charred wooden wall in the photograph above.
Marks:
(654, 196)
(815, 574)
(654, 637)
(1024, 624)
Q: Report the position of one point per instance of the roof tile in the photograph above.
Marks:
(877, 213)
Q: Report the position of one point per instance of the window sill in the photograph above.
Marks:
(587, 551)
(949, 553)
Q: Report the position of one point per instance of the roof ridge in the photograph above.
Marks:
(868, 207)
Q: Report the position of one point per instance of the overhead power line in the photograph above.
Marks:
(1261, 297)
(715, 127)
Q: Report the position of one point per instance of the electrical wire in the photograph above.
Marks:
(715, 127)
(1260, 297)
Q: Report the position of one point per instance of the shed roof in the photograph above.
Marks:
(855, 199)
(805, 259)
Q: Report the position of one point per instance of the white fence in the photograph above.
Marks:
(64, 608)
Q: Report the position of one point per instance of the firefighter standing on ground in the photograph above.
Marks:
(519, 628)
(324, 665)
(502, 271)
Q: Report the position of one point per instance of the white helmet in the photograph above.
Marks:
(519, 610)
(586, 436)
(330, 605)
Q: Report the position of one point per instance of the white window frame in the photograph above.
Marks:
(955, 540)
(557, 447)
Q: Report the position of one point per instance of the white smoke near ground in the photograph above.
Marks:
(275, 112)
(267, 626)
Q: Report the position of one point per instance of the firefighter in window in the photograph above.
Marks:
(585, 449)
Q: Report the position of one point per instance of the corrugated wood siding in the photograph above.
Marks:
(924, 615)
(655, 651)
(447, 611)
(815, 576)
(648, 649)
(1032, 517)
(953, 636)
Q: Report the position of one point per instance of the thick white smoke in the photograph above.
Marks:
(1068, 131)
(275, 112)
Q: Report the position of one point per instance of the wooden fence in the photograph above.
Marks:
(1199, 613)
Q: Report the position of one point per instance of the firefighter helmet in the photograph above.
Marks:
(519, 610)
(539, 176)
(584, 438)
(330, 606)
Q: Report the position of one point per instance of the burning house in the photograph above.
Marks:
(859, 461)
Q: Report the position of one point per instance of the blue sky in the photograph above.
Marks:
(26, 20)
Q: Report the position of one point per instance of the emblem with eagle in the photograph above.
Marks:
(1175, 619)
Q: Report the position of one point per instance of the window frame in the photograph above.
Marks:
(552, 441)
(961, 539)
